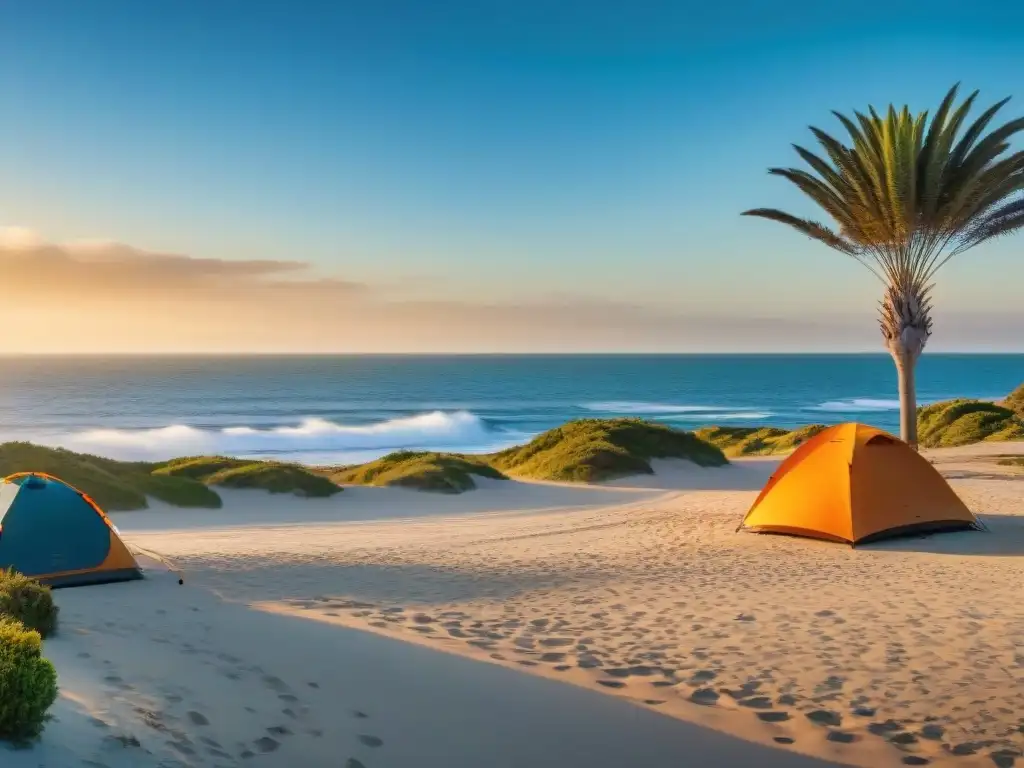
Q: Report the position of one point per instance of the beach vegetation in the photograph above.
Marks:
(1015, 401)
(421, 470)
(592, 450)
(28, 601)
(28, 682)
(963, 422)
(126, 485)
(114, 485)
(907, 194)
(270, 476)
(757, 441)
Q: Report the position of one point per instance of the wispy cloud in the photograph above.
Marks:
(96, 296)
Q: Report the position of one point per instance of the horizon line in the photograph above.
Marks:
(619, 353)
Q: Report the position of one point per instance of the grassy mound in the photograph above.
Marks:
(114, 485)
(1015, 401)
(424, 471)
(757, 441)
(1012, 461)
(271, 476)
(123, 485)
(962, 422)
(28, 601)
(27, 680)
(591, 450)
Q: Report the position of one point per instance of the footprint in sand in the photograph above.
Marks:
(279, 730)
(773, 717)
(353, 763)
(824, 717)
(1005, 758)
(841, 737)
(884, 729)
(915, 760)
(557, 642)
(371, 741)
(784, 740)
(197, 718)
(275, 683)
(611, 683)
(705, 696)
(117, 682)
(266, 744)
(903, 738)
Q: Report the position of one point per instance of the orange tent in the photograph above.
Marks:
(855, 483)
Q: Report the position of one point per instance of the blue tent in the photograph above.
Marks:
(53, 532)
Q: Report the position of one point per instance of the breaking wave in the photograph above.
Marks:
(858, 405)
(312, 436)
(711, 417)
(628, 406)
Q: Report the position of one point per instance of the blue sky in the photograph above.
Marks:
(488, 152)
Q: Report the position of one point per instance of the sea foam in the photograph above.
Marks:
(435, 430)
(858, 405)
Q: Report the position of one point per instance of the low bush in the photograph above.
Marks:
(422, 470)
(28, 601)
(593, 450)
(28, 683)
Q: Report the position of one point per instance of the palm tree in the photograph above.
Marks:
(907, 196)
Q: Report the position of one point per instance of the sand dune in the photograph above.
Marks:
(683, 643)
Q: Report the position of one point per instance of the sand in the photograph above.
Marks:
(545, 625)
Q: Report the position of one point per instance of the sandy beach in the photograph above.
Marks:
(529, 624)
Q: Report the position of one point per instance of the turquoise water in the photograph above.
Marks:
(334, 409)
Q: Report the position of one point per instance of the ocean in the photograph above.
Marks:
(353, 408)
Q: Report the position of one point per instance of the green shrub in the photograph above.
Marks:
(114, 485)
(591, 450)
(757, 441)
(28, 601)
(271, 476)
(422, 470)
(1015, 401)
(963, 422)
(28, 683)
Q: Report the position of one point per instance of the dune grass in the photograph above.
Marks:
(422, 470)
(592, 450)
(757, 441)
(1015, 401)
(271, 476)
(114, 485)
(963, 422)
(125, 485)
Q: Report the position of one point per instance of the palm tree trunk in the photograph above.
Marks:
(906, 360)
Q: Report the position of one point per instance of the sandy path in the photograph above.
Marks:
(905, 651)
(156, 675)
